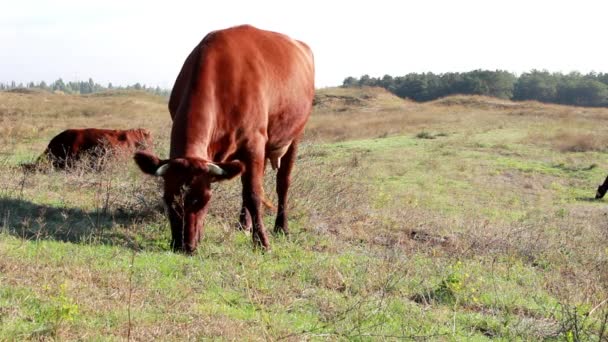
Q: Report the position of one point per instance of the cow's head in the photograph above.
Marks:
(601, 191)
(142, 138)
(187, 183)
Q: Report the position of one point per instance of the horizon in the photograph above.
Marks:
(112, 42)
(152, 86)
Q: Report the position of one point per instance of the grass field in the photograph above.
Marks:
(465, 218)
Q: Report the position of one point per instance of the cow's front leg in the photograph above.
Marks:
(252, 197)
(244, 218)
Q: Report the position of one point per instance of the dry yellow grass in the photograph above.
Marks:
(462, 218)
(29, 121)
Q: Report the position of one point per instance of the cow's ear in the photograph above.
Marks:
(149, 163)
(225, 171)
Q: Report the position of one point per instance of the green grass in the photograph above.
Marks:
(484, 232)
(293, 291)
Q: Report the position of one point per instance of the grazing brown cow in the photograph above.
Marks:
(72, 144)
(601, 190)
(242, 96)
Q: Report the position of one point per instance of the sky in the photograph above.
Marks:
(129, 41)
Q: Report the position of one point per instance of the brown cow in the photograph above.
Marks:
(71, 145)
(242, 96)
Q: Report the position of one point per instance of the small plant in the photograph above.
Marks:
(452, 289)
(62, 309)
(578, 323)
(449, 288)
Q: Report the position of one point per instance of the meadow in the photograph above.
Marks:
(464, 218)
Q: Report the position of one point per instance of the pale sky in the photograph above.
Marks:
(129, 41)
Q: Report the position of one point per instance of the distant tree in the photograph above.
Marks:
(387, 82)
(85, 88)
(603, 77)
(499, 83)
(91, 85)
(69, 89)
(575, 90)
(413, 86)
(596, 93)
(537, 85)
(450, 83)
(82, 87)
(59, 85)
(365, 80)
(350, 82)
(492, 83)
(73, 87)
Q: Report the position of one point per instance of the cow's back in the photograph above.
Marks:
(250, 63)
(72, 144)
(243, 80)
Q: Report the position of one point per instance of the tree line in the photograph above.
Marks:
(571, 89)
(81, 87)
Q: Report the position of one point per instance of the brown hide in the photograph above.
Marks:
(242, 96)
(72, 144)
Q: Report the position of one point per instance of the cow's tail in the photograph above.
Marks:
(268, 203)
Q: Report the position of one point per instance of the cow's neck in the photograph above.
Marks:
(192, 133)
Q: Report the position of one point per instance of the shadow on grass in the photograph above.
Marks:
(588, 199)
(31, 221)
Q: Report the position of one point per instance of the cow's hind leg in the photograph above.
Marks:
(283, 182)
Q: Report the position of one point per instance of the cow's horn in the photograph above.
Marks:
(162, 170)
(215, 170)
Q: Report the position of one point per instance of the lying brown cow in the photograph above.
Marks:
(71, 145)
(242, 96)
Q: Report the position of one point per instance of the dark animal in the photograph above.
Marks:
(601, 190)
(72, 145)
(243, 96)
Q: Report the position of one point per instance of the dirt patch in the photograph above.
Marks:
(483, 102)
(339, 102)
